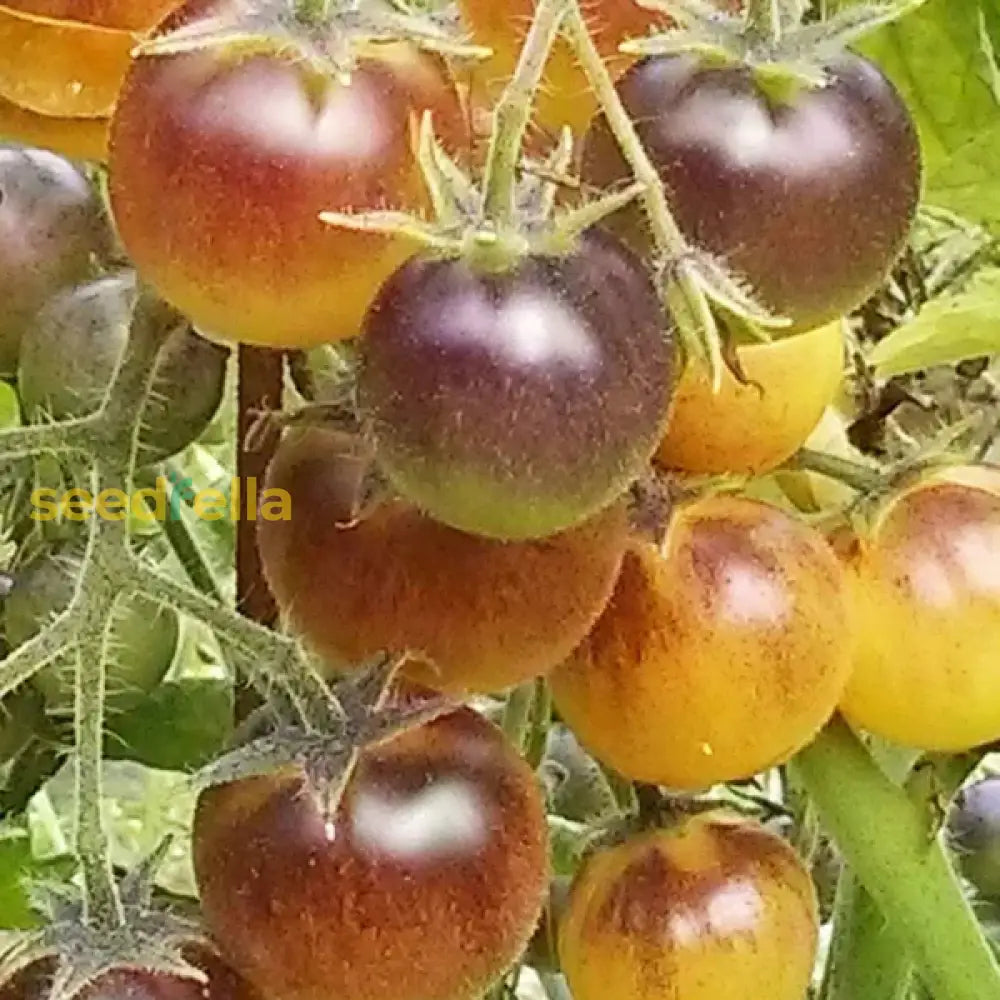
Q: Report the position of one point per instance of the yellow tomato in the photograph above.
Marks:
(754, 427)
(716, 909)
(721, 653)
(77, 138)
(925, 585)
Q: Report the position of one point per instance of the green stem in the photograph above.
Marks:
(313, 12)
(541, 720)
(869, 958)
(883, 837)
(513, 113)
(863, 478)
(667, 237)
(765, 20)
(517, 714)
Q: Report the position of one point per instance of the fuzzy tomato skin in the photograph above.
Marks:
(716, 909)
(219, 170)
(516, 405)
(810, 201)
(77, 138)
(925, 587)
(754, 427)
(428, 890)
(67, 59)
(486, 615)
(721, 653)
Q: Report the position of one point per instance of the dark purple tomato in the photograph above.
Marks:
(70, 353)
(517, 404)
(52, 225)
(426, 883)
(974, 826)
(809, 199)
(138, 984)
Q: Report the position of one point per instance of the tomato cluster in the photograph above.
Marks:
(505, 488)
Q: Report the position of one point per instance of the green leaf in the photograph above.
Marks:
(947, 330)
(942, 60)
(16, 865)
(10, 408)
(181, 726)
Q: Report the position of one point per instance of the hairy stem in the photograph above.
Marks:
(884, 838)
(667, 236)
(513, 112)
(313, 12)
(765, 20)
(517, 714)
(863, 478)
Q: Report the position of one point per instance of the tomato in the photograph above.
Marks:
(126, 15)
(77, 138)
(517, 404)
(69, 67)
(974, 830)
(52, 225)
(925, 585)
(808, 199)
(143, 638)
(565, 97)
(715, 909)
(425, 885)
(721, 653)
(247, 151)
(138, 984)
(70, 353)
(754, 427)
(481, 615)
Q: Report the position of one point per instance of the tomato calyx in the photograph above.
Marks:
(325, 743)
(329, 46)
(84, 946)
(768, 37)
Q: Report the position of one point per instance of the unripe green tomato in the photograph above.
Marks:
(142, 641)
(69, 356)
(52, 228)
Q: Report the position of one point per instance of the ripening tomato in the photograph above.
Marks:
(714, 909)
(753, 427)
(138, 984)
(481, 615)
(722, 652)
(565, 97)
(221, 164)
(66, 58)
(77, 138)
(925, 585)
(517, 404)
(426, 884)
(808, 198)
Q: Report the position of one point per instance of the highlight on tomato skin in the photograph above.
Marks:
(753, 427)
(427, 882)
(247, 152)
(479, 615)
(925, 592)
(763, 183)
(713, 909)
(722, 652)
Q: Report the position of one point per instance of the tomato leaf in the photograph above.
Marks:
(943, 60)
(10, 410)
(181, 726)
(16, 864)
(947, 330)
